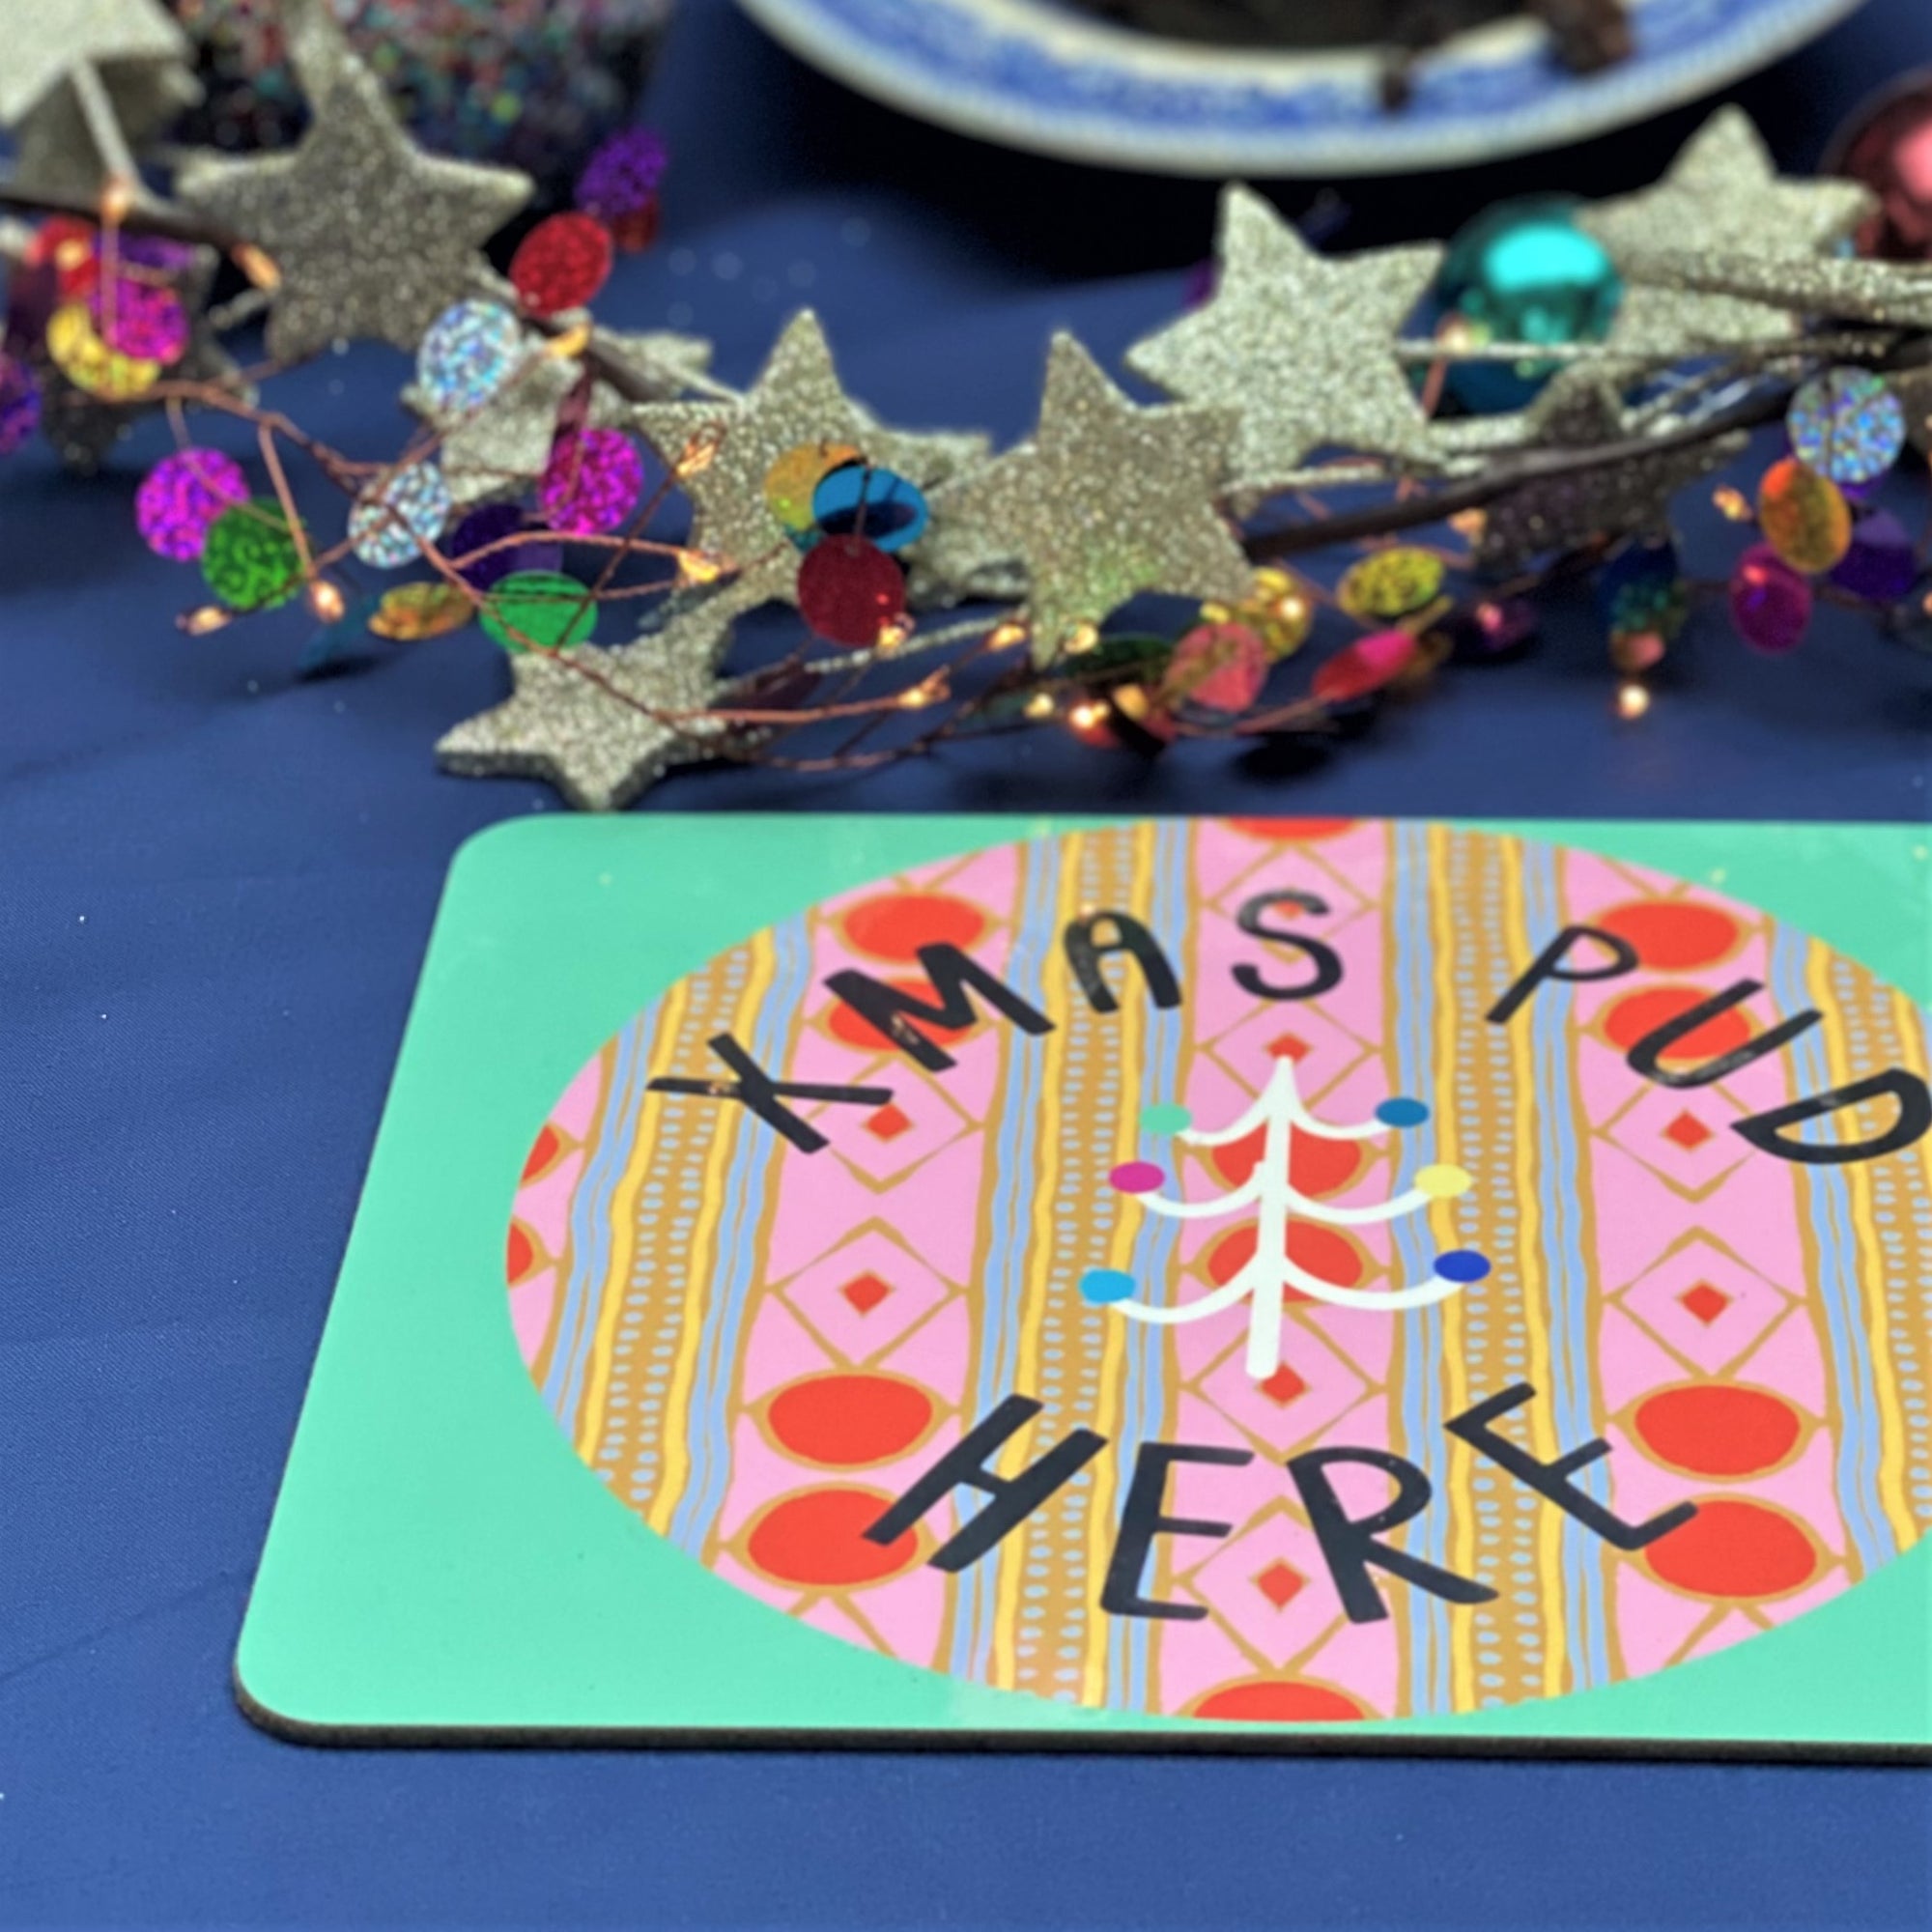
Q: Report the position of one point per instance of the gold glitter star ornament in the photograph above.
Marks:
(43, 41)
(370, 236)
(568, 721)
(1721, 195)
(1300, 346)
(1107, 500)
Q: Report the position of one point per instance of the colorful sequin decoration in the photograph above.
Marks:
(252, 561)
(561, 263)
(141, 319)
(1390, 583)
(1278, 610)
(594, 481)
(855, 500)
(851, 591)
(389, 529)
(1363, 668)
(1641, 592)
(88, 363)
(467, 354)
(1771, 602)
(792, 482)
(180, 497)
(1220, 666)
(1846, 425)
(620, 186)
(481, 530)
(542, 609)
(19, 402)
(1803, 516)
(413, 613)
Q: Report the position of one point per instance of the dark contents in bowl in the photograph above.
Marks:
(1586, 34)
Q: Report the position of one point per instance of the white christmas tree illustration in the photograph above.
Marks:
(1270, 1192)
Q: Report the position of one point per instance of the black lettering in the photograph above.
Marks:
(765, 1096)
(1646, 1055)
(1013, 1499)
(954, 977)
(1766, 1131)
(1086, 948)
(1253, 918)
(1552, 1479)
(1349, 1544)
(1552, 963)
(1143, 1518)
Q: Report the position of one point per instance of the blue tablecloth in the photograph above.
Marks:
(217, 882)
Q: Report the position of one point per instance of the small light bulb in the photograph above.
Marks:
(117, 200)
(326, 600)
(1086, 714)
(893, 632)
(1082, 639)
(209, 617)
(1732, 504)
(1004, 636)
(258, 266)
(1041, 705)
(572, 342)
(1633, 700)
(697, 455)
(696, 567)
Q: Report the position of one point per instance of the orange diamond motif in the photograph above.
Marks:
(1288, 1046)
(1280, 1583)
(1705, 1302)
(1283, 1387)
(865, 1291)
(888, 1123)
(1687, 1132)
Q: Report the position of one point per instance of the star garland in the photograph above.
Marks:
(537, 498)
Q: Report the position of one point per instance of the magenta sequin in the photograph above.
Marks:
(180, 497)
(143, 319)
(593, 482)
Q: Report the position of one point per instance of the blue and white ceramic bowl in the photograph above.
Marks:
(1034, 73)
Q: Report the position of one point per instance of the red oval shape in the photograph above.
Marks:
(1672, 935)
(1320, 1250)
(543, 1150)
(1286, 829)
(1317, 1166)
(845, 1420)
(1719, 1429)
(519, 1253)
(1637, 1014)
(817, 1539)
(1266, 1700)
(1734, 1547)
(897, 924)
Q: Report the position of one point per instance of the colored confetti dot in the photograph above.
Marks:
(252, 561)
(1363, 666)
(1771, 602)
(792, 482)
(856, 501)
(1279, 609)
(67, 245)
(388, 527)
(470, 351)
(88, 363)
(1220, 666)
(1641, 590)
(540, 607)
(141, 319)
(1803, 516)
(181, 496)
(1442, 1181)
(1846, 425)
(1136, 1176)
(484, 527)
(851, 591)
(1165, 1118)
(20, 404)
(413, 613)
(592, 482)
(561, 263)
(1463, 1264)
(621, 178)
(1390, 583)
(1402, 1112)
(1100, 1286)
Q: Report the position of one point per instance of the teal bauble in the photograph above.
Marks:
(1523, 271)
